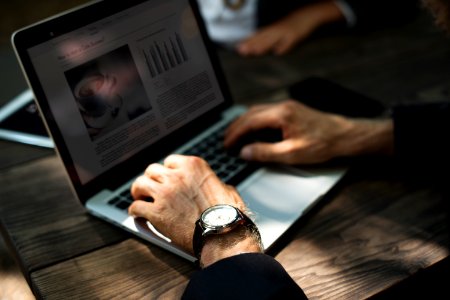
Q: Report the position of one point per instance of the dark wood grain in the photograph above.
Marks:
(15, 153)
(43, 219)
(405, 64)
(128, 270)
(373, 232)
(377, 231)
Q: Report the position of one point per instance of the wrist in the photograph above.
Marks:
(365, 137)
(241, 240)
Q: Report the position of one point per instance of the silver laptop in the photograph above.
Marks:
(122, 84)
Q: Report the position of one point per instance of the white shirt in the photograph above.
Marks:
(228, 27)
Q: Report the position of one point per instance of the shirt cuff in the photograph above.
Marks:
(347, 11)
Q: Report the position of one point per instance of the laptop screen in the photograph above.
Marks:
(118, 85)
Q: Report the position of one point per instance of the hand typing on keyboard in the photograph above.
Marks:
(308, 135)
(182, 188)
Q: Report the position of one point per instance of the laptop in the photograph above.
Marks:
(122, 84)
(20, 122)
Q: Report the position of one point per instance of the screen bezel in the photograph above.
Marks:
(68, 21)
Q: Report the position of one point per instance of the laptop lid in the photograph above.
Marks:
(121, 84)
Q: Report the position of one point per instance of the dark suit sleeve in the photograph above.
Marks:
(244, 276)
(421, 134)
(379, 13)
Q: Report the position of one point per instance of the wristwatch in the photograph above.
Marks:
(218, 219)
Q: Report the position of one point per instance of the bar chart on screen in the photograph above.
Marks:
(163, 54)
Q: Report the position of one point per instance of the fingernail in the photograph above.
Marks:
(246, 153)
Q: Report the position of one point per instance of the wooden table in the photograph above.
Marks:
(379, 226)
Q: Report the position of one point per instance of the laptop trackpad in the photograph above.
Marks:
(278, 196)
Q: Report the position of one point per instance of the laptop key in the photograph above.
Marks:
(123, 205)
(126, 194)
(113, 201)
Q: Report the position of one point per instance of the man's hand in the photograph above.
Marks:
(282, 36)
(182, 189)
(309, 136)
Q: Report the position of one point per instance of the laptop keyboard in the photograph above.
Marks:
(228, 167)
(122, 201)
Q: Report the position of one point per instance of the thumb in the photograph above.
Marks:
(141, 209)
(264, 152)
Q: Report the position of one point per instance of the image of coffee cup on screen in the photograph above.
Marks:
(108, 92)
(98, 100)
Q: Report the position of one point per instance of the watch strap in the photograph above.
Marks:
(199, 232)
(198, 240)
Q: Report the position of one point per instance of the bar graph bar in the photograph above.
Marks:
(164, 55)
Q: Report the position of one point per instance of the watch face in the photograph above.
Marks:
(219, 215)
